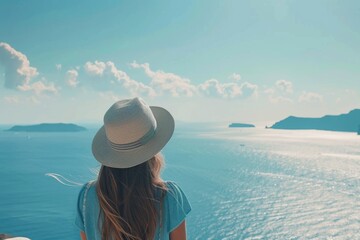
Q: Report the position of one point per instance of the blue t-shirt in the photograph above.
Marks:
(174, 210)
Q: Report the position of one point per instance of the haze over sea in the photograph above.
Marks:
(242, 183)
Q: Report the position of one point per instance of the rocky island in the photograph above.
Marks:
(241, 125)
(48, 127)
(348, 122)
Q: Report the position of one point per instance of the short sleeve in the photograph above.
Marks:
(79, 221)
(178, 206)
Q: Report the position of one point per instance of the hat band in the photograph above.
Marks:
(138, 143)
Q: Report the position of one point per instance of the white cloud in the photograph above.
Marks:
(58, 66)
(235, 77)
(276, 94)
(310, 97)
(96, 68)
(165, 82)
(39, 87)
(133, 86)
(18, 71)
(249, 89)
(213, 87)
(72, 78)
(107, 75)
(176, 85)
(285, 86)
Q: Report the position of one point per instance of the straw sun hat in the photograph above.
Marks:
(133, 133)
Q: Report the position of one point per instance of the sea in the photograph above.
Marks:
(242, 183)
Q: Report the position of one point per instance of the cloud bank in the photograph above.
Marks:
(19, 74)
(164, 82)
(109, 77)
(72, 78)
(175, 85)
(285, 86)
(213, 87)
(18, 71)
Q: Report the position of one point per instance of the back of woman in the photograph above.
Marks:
(129, 200)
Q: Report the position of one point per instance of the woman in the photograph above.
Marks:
(129, 200)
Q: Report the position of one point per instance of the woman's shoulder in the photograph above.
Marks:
(174, 193)
(172, 187)
(88, 185)
(177, 205)
(85, 203)
(86, 189)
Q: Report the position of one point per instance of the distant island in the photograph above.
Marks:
(48, 127)
(348, 122)
(241, 125)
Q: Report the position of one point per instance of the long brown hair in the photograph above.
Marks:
(129, 200)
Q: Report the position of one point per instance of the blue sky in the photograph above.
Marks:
(229, 61)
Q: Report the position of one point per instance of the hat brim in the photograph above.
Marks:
(107, 156)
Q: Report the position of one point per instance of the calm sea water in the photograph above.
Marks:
(242, 183)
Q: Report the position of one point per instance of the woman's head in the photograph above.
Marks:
(133, 132)
(129, 186)
(129, 199)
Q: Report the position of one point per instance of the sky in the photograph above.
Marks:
(205, 61)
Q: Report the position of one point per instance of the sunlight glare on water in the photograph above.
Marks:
(304, 184)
